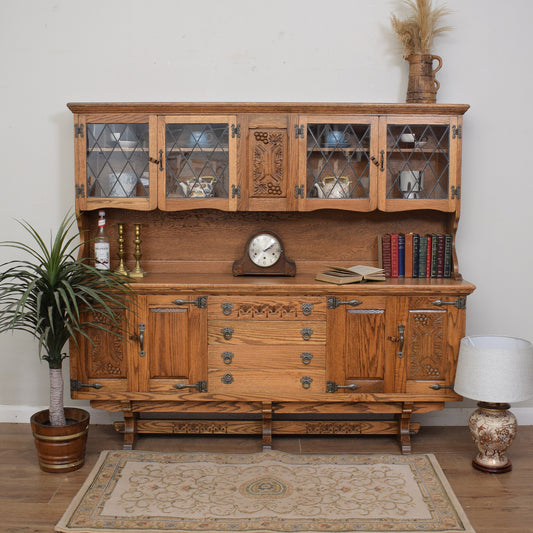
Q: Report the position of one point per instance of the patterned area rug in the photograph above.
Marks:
(131, 491)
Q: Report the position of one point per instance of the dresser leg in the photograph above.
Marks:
(130, 426)
(404, 430)
(267, 425)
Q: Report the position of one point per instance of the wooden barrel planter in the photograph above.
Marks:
(61, 448)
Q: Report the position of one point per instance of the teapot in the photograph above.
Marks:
(201, 187)
(333, 187)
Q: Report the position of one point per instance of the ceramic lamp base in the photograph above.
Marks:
(493, 429)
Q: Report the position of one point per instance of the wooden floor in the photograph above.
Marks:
(31, 500)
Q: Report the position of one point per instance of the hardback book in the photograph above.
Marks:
(394, 255)
(386, 255)
(448, 242)
(401, 255)
(409, 255)
(433, 267)
(416, 254)
(356, 274)
(422, 256)
(428, 256)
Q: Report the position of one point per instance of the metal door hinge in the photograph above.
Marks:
(200, 386)
(78, 131)
(439, 387)
(200, 302)
(460, 303)
(334, 302)
(299, 131)
(298, 191)
(457, 132)
(80, 191)
(76, 385)
(331, 386)
(455, 192)
(236, 130)
(236, 191)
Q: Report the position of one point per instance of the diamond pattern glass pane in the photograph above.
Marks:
(117, 161)
(418, 162)
(197, 160)
(338, 161)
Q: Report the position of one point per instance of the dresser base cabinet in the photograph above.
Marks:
(298, 360)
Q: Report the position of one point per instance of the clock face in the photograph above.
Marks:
(264, 250)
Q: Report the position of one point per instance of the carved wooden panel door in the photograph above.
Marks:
(173, 350)
(432, 330)
(357, 353)
(99, 367)
(268, 167)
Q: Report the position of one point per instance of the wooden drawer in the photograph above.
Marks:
(259, 357)
(266, 307)
(267, 383)
(266, 332)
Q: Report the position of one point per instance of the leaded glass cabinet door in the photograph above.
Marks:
(338, 163)
(197, 162)
(116, 168)
(421, 163)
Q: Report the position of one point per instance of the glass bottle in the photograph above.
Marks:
(101, 245)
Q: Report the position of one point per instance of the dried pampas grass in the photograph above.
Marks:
(416, 33)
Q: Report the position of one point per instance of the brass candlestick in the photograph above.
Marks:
(137, 272)
(121, 269)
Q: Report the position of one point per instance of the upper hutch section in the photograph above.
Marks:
(268, 157)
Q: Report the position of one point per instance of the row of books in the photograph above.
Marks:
(411, 255)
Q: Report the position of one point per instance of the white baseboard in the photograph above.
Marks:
(453, 416)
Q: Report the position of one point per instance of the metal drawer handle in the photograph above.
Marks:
(226, 308)
(436, 386)
(307, 308)
(306, 382)
(306, 357)
(227, 357)
(227, 379)
(306, 333)
(227, 332)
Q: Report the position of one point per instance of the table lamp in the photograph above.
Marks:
(495, 371)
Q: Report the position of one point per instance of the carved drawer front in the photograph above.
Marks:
(266, 308)
(283, 358)
(267, 382)
(231, 332)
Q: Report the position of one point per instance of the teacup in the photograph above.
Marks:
(198, 188)
(333, 187)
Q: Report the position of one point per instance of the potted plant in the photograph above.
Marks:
(47, 294)
(416, 34)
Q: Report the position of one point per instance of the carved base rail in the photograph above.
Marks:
(267, 425)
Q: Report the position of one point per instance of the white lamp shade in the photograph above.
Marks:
(495, 369)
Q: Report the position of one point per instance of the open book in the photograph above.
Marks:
(341, 275)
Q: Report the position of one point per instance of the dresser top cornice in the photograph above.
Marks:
(330, 108)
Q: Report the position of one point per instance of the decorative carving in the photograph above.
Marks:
(267, 311)
(426, 345)
(337, 428)
(106, 353)
(268, 167)
(200, 428)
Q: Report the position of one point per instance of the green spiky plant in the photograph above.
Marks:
(49, 293)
